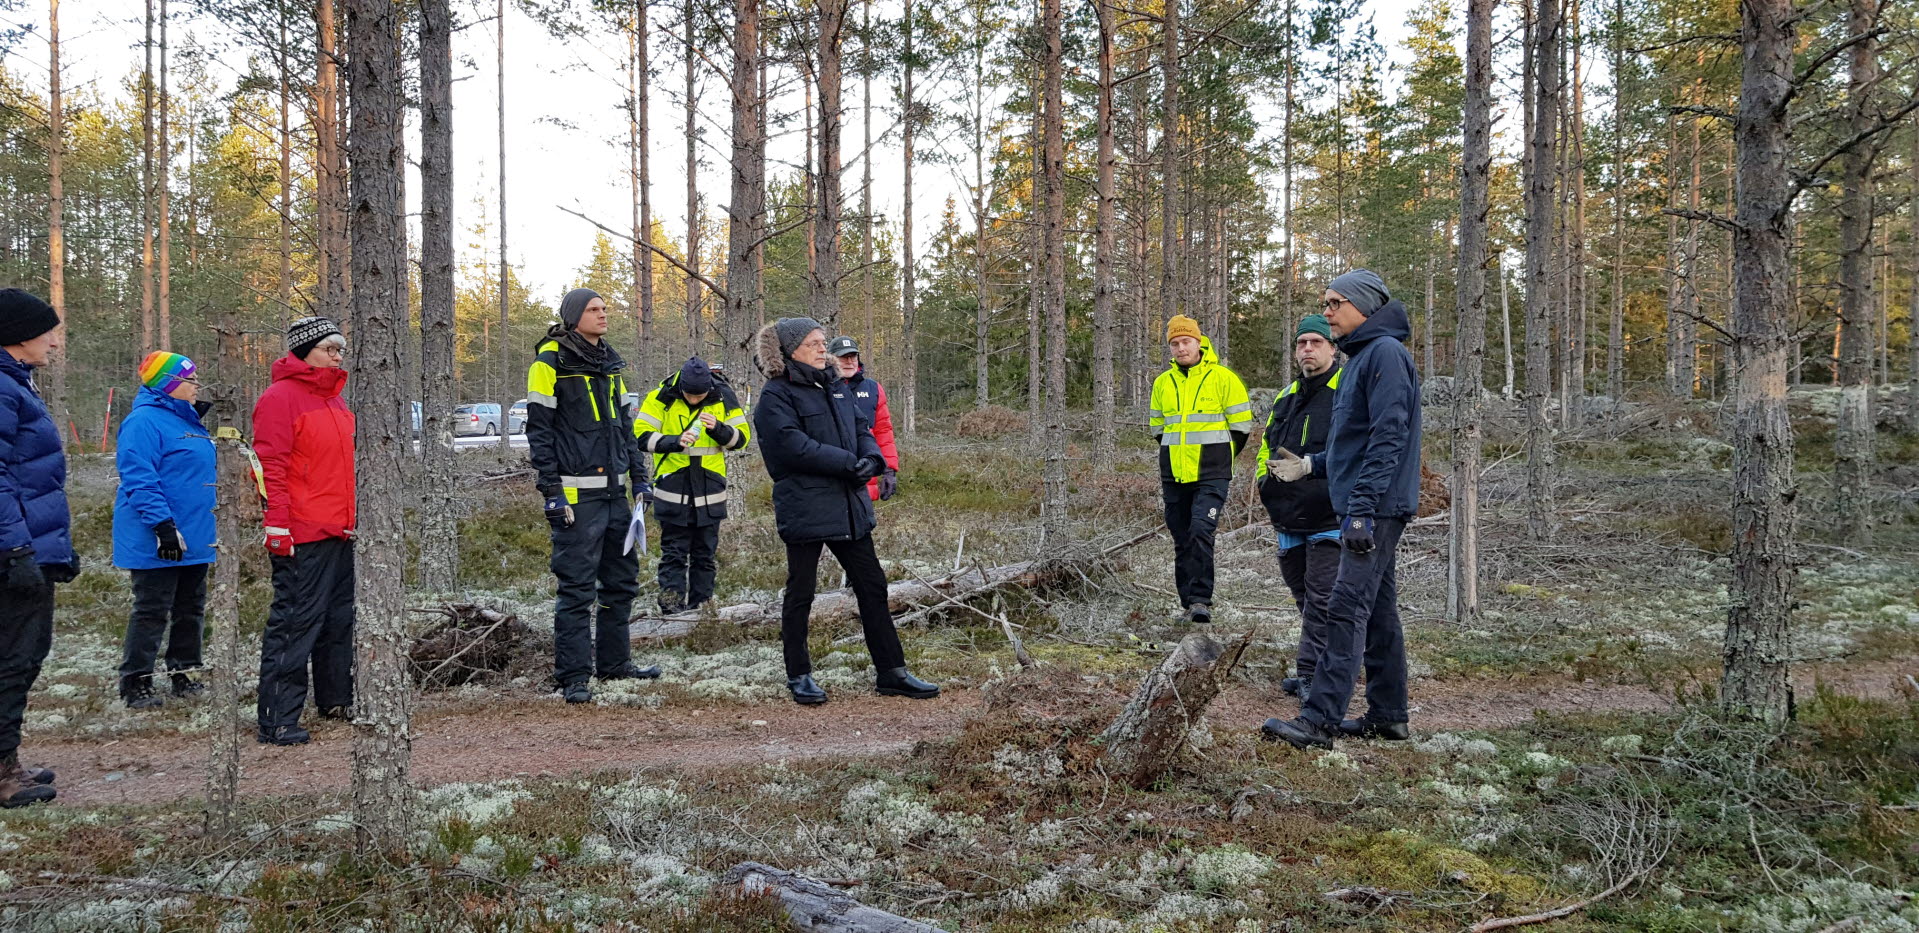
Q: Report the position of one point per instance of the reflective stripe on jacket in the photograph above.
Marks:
(1202, 416)
(1300, 422)
(579, 424)
(689, 483)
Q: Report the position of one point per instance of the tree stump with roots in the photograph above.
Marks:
(1154, 729)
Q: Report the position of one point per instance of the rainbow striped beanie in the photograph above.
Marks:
(165, 371)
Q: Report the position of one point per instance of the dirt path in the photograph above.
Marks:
(547, 738)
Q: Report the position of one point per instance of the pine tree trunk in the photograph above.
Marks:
(823, 297)
(1616, 326)
(1104, 408)
(1912, 307)
(237, 509)
(1758, 622)
(1576, 309)
(1539, 225)
(382, 740)
(639, 137)
(1682, 329)
(1853, 435)
(505, 343)
(867, 332)
(1151, 327)
(1036, 272)
(695, 293)
(439, 525)
(908, 381)
(1288, 318)
(1469, 352)
(1169, 258)
(1053, 272)
(982, 336)
(56, 229)
(1505, 324)
(747, 205)
(286, 172)
(163, 313)
(147, 338)
(330, 175)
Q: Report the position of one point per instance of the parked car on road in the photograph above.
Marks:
(480, 419)
(516, 418)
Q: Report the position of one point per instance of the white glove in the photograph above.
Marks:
(1288, 467)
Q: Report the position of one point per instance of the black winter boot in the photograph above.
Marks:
(1200, 613)
(185, 686)
(1366, 727)
(577, 693)
(1299, 733)
(900, 682)
(283, 735)
(137, 691)
(631, 671)
(805, 691)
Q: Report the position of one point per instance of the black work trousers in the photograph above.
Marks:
(687, 567)
(1192, 515)
(868, 580)
(1363, 628)
(26, 633)
(169, 602)
(310, 623)
(593, 574)
(1310, 570)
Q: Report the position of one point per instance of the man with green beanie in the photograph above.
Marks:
(1300, 506)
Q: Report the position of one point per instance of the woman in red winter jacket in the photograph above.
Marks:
(870, 398)
(303, 434)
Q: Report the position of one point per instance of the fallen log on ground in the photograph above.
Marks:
(910, 600)
(1153, 730)
(816, 907)
(468, 642)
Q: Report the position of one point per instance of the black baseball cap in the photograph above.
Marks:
(843, 346)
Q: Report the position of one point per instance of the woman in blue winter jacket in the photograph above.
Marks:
(163, 526)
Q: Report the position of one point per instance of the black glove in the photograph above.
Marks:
(201, 408)
(172, 546)
(643, 491)
(1357, 534)
(558, 513)
(62, 573)
(889, 484)
(22, 572)
(867, 468)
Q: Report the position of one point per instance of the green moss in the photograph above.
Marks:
(1403, 860)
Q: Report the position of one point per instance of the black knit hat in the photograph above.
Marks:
(696, 377)
(306, 333)
(23, 316)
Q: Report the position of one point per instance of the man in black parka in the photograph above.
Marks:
(1301, 506)
(821, 453)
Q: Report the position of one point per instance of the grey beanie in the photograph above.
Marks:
(1363, 288)
(574, 305)
(792, 330)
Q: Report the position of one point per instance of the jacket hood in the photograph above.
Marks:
(1389, 321)
(150, 397)
(766, 352)
(15, 368)
(323, 382)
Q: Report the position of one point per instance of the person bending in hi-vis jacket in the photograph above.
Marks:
(688, 424)
(579, 435)
(1202, 417)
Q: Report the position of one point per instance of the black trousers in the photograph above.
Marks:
(1192, 515)
(26, 632)
(687, 567)
(169, 602)
(1362, 627)
(868, 579)
(310, 623)
(1310, 570)
(591, 572)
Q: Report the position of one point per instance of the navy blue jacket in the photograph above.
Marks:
(1372, 458)
(166, 466)
(811, 440)
(33, 471)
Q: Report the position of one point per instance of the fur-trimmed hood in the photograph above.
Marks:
(766, 352)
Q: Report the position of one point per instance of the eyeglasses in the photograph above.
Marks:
(333, 349)
(1331, 303)
(817, 342)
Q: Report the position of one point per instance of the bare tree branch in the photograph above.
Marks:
(663, 254)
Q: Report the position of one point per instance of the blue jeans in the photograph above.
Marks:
(1362, 626)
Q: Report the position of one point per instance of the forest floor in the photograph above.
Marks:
(1561, 746)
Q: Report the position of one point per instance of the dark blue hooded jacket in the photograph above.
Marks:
(811, 440)
(33, 471)
(166, 466)
(1372, 458)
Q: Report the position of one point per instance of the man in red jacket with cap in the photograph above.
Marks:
(303, 434)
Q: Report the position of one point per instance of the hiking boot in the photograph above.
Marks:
(577, 693)
(38, 775)
(805, 691)
(1299, 733)
(1366, 727)
(671, 603)
(1293, 686)
(185, 686)
(18, 786)
(1200, 614)
(630, 671)
(899, 682)
(137, 691)
(283, 735)
(341, 713)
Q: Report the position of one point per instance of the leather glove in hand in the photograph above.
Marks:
(558, 513)
(867, 468)
(171, 546)
(62, 573)
(1356, 534)
(889, 484)
(22, 572)
(1289, 467)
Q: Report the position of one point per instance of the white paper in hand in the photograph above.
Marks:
(636, 532)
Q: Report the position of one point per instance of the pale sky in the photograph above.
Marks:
(566, 129)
